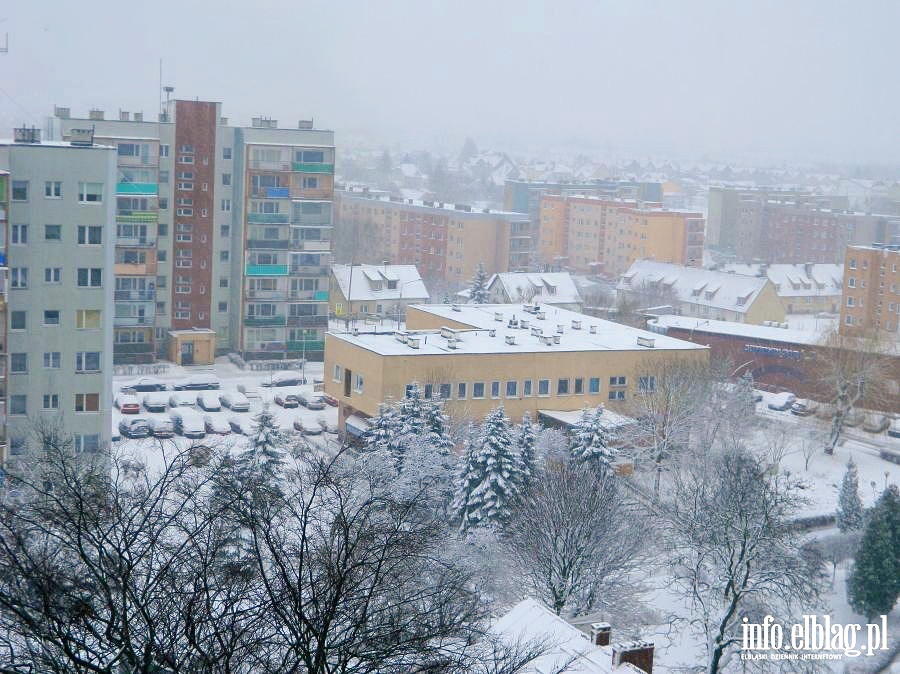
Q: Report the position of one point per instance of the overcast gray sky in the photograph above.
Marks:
(784, 78)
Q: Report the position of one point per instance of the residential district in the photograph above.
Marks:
(183, 280)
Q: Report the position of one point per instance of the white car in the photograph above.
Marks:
(284, 378)
(782, 401)
(156, 402)
(236, 402)
(208, 402)
(894, 430)
(187, 422)
(217, 424)
(241, 425)
(161, 427)
(198, 382)
(182, 399)
(249, 391)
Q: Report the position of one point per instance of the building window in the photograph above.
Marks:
(848, 320)
(223, 256)
(18, 277)
(161, 255)
(579, 385)
(647, 384)
(87, 402)
(226, 179)
(53, 189)
(445, 392)
(51, 360)
(90, 235)
(495, 389)
(20, 190)
(226, 153)
(87, 319)
(310, 183)
(358, 383)
(18, 320)
(51, 401)
(850, 301)
(526, 388)
(18, 234)
(512, 389)
(478, 390)
(543, 387)
(87, 444)
(89, 277)
(18, 363)
(562, 387)
(226, 205)
(617, 395)
(164, 150)
(223, 282)
(223, 307)
(851, 282)
(90, 193)
(594, 385)
(18, 404)
(461, 391)
(87, 361)
(337, 374)
(52, 232)
(185, 159)
(51, 317)
(164, 180)
(162, 229)
(617, 381)
(225, 230)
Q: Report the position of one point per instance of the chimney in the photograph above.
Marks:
(600, 633)
(96, 115)
(638, 653)
(124, 116)
(138, 117)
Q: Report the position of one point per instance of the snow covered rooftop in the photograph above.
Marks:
(786, 335)
(550, 287)
(380, 282)
(508, 329)
(695, 286)
(460, 210)
(609, 420)
(795, 280)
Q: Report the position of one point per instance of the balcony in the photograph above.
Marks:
(267, 295)
(135, 242)
(133, 347)
(132, 321)
(266, 270)
(309, 295)
(311, 245)
(311, 219)
(276, 192)
(309, 271)
(135, 295)
(267, 244)
(306, 345)
(144, 189)
(147, 268)
(304, 167)
(262, 165)
(264, 320)
(308, 321)
(129, 217)
(144, 160)
(268, 218)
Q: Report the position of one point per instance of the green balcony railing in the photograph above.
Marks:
(147, 189)
(306, 345)
(268, 218)
(264, 320)
(136, 216)
(321, 296)
(267, 270)
(304, 167)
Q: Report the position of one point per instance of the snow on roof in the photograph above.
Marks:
(566, 648)
(549, 288)
(432, 206)
(609, 420)
(488, 335)
(719, 289)
(772, 334)
(371, 282)
(795, 280)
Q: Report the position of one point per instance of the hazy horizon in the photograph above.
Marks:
(801, 81)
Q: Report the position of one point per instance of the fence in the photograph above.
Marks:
(128, 370)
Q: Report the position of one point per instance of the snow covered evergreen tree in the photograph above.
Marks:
(589, 440)
(850, 507)
(478, 292)
(468, 478)
(874, 583)
(526, 438)
(263, 456)
(382, 429)
(490, 474)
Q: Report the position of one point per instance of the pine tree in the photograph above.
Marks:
(437, 426)
(850, 507)
(526, 438)
(383, 428)
(263, 455)
(589, 441)
(874, 583)
(468, 478)
(478, 292)
(491, 476)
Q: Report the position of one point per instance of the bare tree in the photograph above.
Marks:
(574, 538)
(730, 550)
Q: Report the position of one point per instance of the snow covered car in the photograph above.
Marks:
(187, 422)
(236, 402)
(249, 391)
(146, 384)
(804, 408)
(209, 402)
(894, 430)
(198, 382)
(329, 400)
(128, 404)
(782, 401)
(134, 428)
(182, 399)
(216, 424)
(308, 428)
(312, 401)
(240, 425)
(284, 378)
(156, 402)
(287, 400)
(162, 427)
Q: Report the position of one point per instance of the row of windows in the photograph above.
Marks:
(82, 444)
(88, 193)
(86, 235)
(85, 277)
(85, 319)
(85, 361)
(83, 402)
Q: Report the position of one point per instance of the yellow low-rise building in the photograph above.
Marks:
(476, 357)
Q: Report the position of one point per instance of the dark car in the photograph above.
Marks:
(284, 378)
(147, 384)
(134, 428)
(198, 382)
(287, 400)
(312, 401)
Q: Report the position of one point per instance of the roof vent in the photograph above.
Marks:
(138, 117)
(26, 135)
(510, 339)
(556, 339)
(455, 307)
(62, 113)
(513, 323)
(536, 331)
(451, 344)
(96, 115)
(593, 329)
(541, 315)
(492, 332)
(448, 333)
(401, 337)
(560, 328)
(412, 342)
(528, 308)
(546, 341)
(356, 332)
(81, 136)
(305, 124)
(498, 316)
(524, 324)
(646, 341)
(576, 325)
(124, 116)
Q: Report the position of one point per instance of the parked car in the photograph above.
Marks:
(198, 382)
(134, 428)
(894, 430)
(156, 402)
(876, 423)
(187, 422)
(309, 428)
(216, 424)
(757, 396)
(241, 425)
(182, 399)
(329, 399)
(161, 427)
(312, 401)
(284, 378)
(209, 402)
(127, 403)
(287, 400)
(854, 418)
(236, 402)
(782, 401)
(804, 408)
(146, 384)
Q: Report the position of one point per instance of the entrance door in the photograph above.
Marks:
(187, 353)
(347, 375)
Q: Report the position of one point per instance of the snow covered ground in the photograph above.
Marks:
(818, 324)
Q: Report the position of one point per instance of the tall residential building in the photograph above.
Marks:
(220, 227)
(60, 255)
(524, 196)
(871, 291)
(605, 236)
(4, 273)
(445, 241)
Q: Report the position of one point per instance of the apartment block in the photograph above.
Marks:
(4, 281)
(61, 255)
(605, 236)
(445, 241)
(220, 227)
(871, 291)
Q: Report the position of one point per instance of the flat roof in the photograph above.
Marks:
(56, 143)
(435, 205)
(786, 335)
(609, 420)
(488, 335)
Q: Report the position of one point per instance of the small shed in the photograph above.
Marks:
(196, 346)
